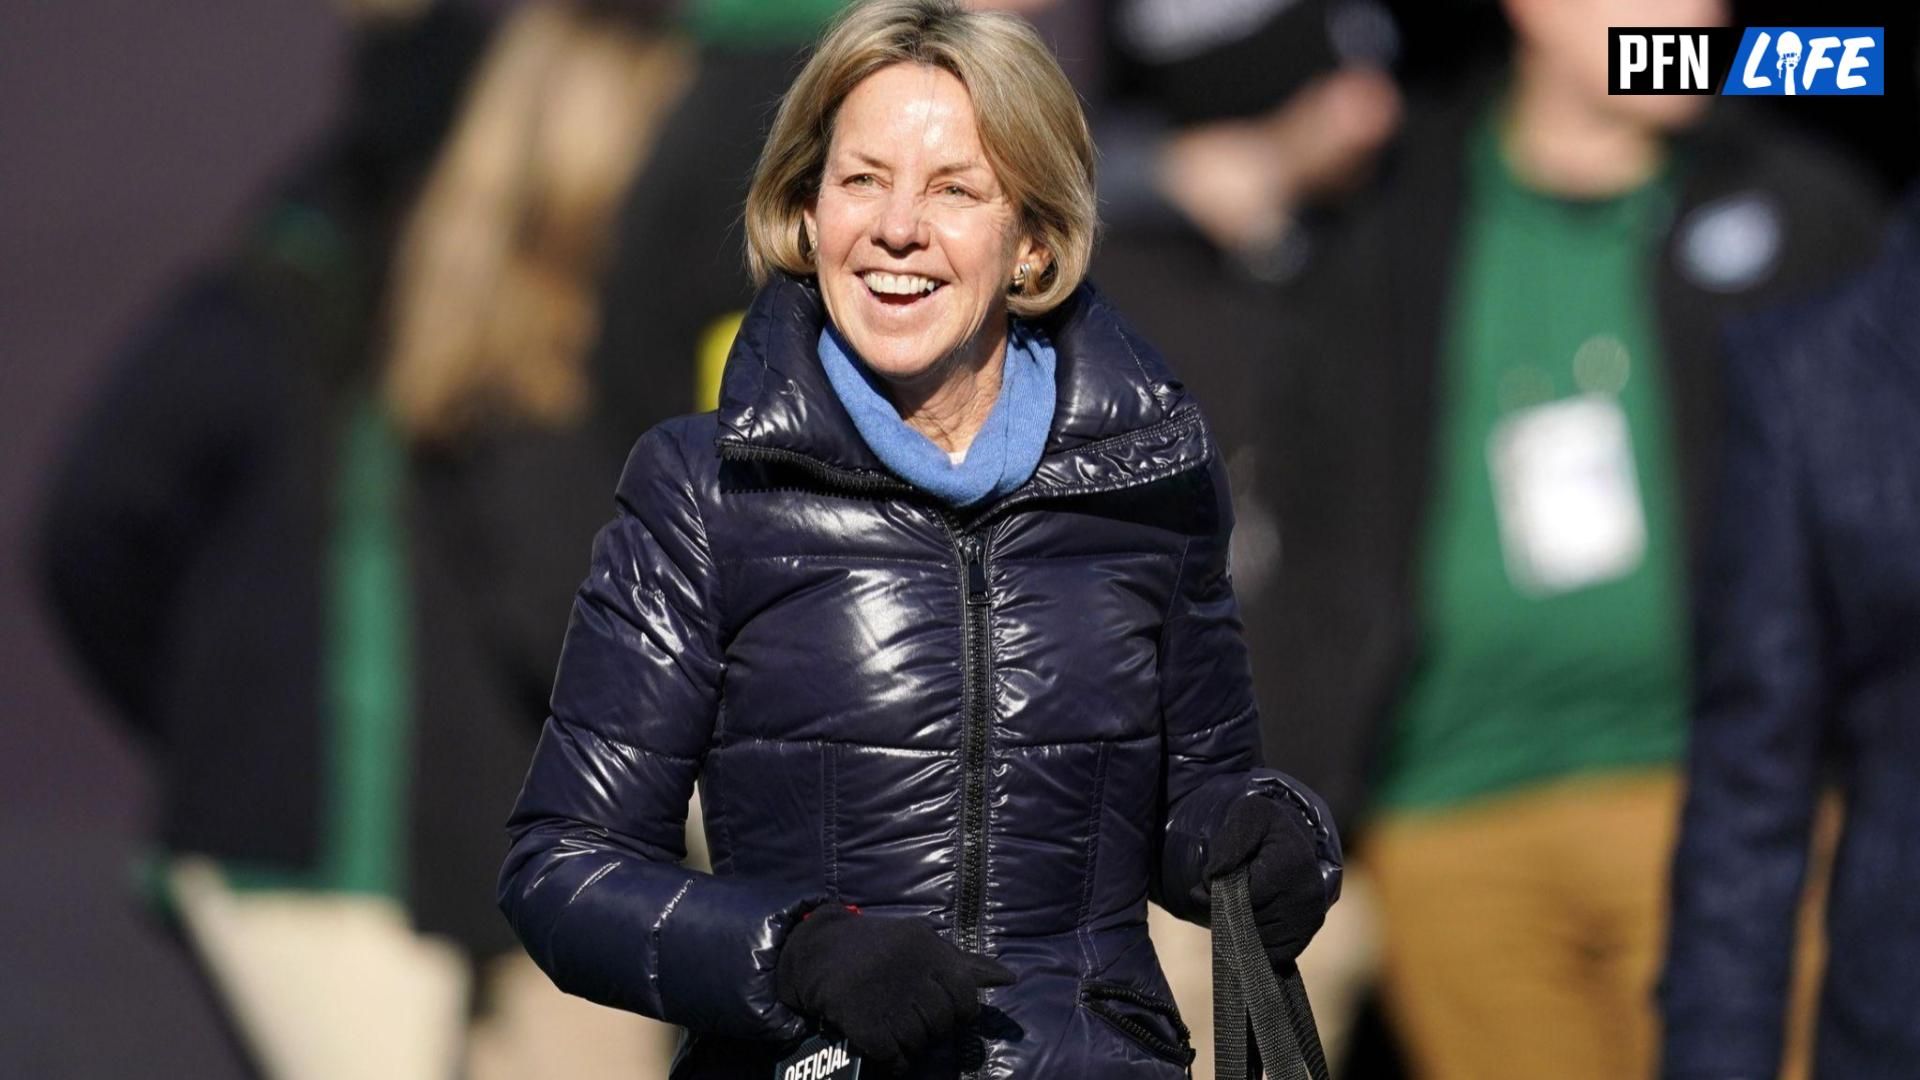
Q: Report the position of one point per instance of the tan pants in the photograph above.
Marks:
(535, 1032)
(332, 986)
(1524, 933)
(325, 986)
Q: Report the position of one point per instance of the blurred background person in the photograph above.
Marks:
(1227, 129)
(1229, 134)
(1809, 674)
(494, 308)
(1485, 463)
(185, 540)
(676, 285)
(317, 536)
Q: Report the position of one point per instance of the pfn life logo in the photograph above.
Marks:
(1794, 61)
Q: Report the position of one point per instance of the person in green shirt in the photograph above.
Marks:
(1490, 449)
(1549, 705)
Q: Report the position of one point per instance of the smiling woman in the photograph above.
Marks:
(1027, 131)
(915, 247)
(908, 207)
(934, 207)
(935, 607)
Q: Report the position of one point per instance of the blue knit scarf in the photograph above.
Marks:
(1002, 455)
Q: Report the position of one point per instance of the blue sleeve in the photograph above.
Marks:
(1212, 726)
(1753, 768)
(593, 884)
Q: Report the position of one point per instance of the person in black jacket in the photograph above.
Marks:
(1809, 674)
(317, 535)
(934, 609)
(1496, 425)
(1229, 140)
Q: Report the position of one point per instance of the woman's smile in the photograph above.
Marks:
(900, 292)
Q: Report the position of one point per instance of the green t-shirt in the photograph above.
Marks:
(1519, 683)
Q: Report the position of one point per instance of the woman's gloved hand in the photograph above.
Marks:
(1275, 844)
(892, 986)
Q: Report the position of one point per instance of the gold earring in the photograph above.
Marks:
(1020, 276)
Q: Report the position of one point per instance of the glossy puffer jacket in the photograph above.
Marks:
(1018, 721)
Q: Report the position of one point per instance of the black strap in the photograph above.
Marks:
(1247, 993)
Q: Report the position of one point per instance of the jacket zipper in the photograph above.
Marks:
(973, 743)
(976, 605)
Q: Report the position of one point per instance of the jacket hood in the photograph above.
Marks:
(1121, 417)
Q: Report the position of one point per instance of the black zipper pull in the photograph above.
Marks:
(976, 573)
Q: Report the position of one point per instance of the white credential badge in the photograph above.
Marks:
(1567, 494)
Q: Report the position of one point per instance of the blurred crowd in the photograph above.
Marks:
(1530, 403)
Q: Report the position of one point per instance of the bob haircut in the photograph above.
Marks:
(1031, 127)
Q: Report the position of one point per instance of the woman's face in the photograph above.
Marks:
(914, 241)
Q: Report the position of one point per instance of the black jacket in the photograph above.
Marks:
(1017, 721)
(1346, 461)
(1810, 653)
(184, 550)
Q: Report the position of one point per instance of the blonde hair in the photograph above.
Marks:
(493, 303)
(1031, 127)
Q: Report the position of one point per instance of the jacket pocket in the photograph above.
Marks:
(1150, 1021)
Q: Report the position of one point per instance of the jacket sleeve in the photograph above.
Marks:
(1754, 762)
(1211, 724)
(592, 883)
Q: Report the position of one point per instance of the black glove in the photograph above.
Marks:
(1275, 844)
(892, 986)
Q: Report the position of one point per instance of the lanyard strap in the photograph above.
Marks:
(1247, 993)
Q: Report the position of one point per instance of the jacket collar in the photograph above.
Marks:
(1121, 418)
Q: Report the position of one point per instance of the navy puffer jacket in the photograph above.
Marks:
(1017, 721)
